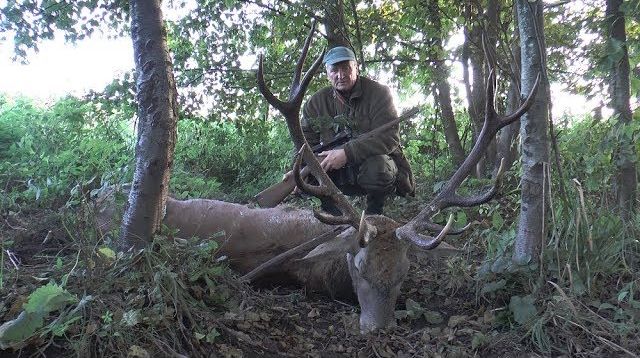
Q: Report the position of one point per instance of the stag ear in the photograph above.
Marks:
(366, 232)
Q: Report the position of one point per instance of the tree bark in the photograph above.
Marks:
(619, 90)
(156, 95)
(337, 34)
(533, 134)
(441, 76)
(475, 86)
(492, 41)
(506, 140)
(447, 116)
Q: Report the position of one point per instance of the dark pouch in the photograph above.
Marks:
(405, 181)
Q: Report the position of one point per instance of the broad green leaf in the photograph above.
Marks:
(107, 253)
(414, 310)
(401, 314)
(497, 220)
(211, 337)
(493, 286)
(522, 308)
(461, 218)
(14, 332)
(433, 317)
(48, 298)
(478, 340)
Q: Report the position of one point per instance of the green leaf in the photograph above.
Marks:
(211, 337)
(478, 340)
(16, 331)
(461, 218)
(107, 253)
(131, 318)
(493, 286)
(48, 298)
(433, 317)
(497, 220)
(414, 310)
(522, 308)
(401, 314)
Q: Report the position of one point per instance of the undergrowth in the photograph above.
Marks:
(155, 302)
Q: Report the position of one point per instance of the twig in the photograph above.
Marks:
(604, 340)
(270, 264)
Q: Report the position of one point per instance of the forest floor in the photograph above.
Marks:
(440, 311)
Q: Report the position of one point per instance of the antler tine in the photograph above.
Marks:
(266, 92)
(295, 83)
(325, 188)
(291, 108)
(469, 201)
(407, 232)
(523, 107)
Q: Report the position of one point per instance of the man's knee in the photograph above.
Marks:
(378, 174)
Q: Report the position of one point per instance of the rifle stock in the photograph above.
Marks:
(276, 193)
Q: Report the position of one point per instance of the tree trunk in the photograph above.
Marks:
(492, 41)
(157, 116)
(533, 134)
(506, 140)
(619, 90)
(337, 34)
(447, 116)
(475, 86)
(441, 76)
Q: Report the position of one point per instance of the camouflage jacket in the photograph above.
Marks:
(369, 106)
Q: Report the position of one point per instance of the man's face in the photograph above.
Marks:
(343, 75)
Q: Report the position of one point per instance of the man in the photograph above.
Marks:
(363, 166)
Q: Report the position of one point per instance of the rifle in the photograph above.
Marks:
(276, 193)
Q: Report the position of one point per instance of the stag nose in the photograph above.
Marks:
(374, 319)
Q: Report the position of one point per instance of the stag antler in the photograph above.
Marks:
(291, 111)
(448, 197)
(291, 108)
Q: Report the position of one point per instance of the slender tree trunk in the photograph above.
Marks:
(441, 76)
(157, 116)
(492, 41)
(356, 20)
(447, 116)
(619, 88)
(337, 34)
(506, 140)
(533, 134)
(475, 86)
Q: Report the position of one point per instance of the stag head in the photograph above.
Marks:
(380, 265)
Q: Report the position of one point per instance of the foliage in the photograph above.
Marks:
(92, 143)
(45, 152)
(128, 298)
(40, 304)
(244, 156)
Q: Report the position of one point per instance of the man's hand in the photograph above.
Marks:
(334, 159)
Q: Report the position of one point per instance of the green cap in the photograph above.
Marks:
(339, 54)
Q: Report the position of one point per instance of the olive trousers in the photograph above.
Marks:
(375, 178)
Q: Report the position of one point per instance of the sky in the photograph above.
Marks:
(60, 68)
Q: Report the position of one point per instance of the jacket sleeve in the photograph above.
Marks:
(383, 111)
(308, 112)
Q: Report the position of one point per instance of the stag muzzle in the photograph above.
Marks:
(376, 297)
